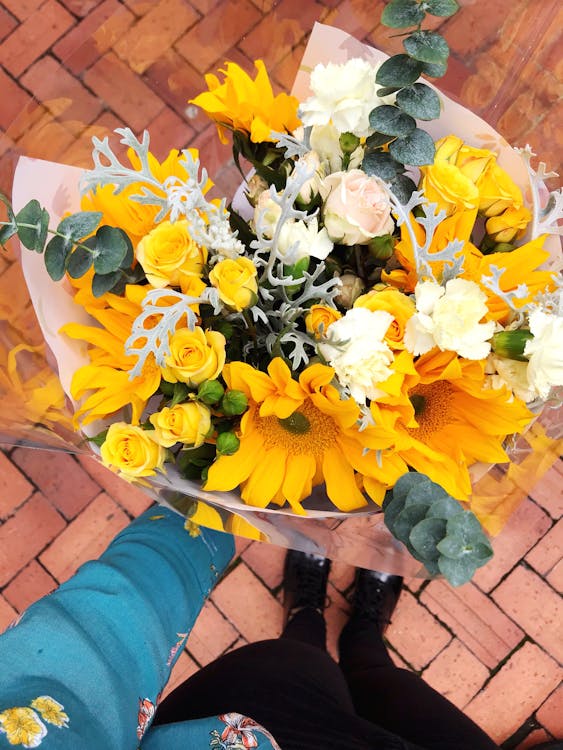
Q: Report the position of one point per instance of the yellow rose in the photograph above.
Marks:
(447, 149)
(397, 304)
(507, 225)
(168, 254)
(131, 451)
(235, 280)
(183, 423)
(445, 184)
(195, 356)
(497, 191)
(320, 315)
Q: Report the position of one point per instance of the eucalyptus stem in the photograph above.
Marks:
(50, 231)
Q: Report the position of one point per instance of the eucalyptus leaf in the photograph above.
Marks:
(78, 262)
(445, 508)
(102, 283)
(387, 90)
(407, 519)
(419, 101)
(427, 46)
(425, 536)
(111, 249)
(407, 482)
(381, 165)
(403, 187)
(33, 237)
(80, 224)
(435, 70)
(465, 525)
(415, 149)
(389, 120)
(376, 140)
(442, 8)
(457, 572)
(399, 14)
(55, 257)
(425, 494)
(129, 256)
(454, 547)
(7, 230)
(399, 70)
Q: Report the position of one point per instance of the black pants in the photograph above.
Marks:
(293, 688)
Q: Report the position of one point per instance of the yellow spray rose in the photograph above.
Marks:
(183, 423)
(497, 191)
(395, 302)
(509, 224)
(195, 356)
(131, 451)
(320, 315)
(446, 185)
(236, 282)
(168, 255)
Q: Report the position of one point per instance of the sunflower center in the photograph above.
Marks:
(432, 408)
(307, 430)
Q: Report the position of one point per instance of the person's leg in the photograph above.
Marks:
(392, 698)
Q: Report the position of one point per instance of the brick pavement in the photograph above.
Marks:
(70, 69)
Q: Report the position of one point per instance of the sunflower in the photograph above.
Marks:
(298, 434)
(455, 420)
(240, 103)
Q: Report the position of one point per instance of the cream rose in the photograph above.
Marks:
(235, 280)
(168, 254)
(356, 207)
(195, 356)
(298, 240)
(545, 352)
(187, 423)
(131, 451)
(266, 214)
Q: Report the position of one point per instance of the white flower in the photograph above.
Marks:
(325, 140)
(357, 352)
(311, 187)
(513, 374)
(545, 352)
(266, 214)
(298, 240)
(449, 319)
(344, 95)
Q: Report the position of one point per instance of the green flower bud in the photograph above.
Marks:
(234, 403)
(382, 247)
(503, 247)
(227, 444)
(349, 143)
(210, 391)
(511, 344)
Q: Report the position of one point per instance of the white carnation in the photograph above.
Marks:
(545, 352)
(325, 140)
(298, 240)
(513, 374)
(357, 352)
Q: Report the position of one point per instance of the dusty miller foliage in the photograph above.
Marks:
(545, 217)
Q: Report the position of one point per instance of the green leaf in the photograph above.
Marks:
(381, 165)
(399, 14)
(425, 536)
(7, 230)
(454, 547)
(465, 525)
(79, 262)
(376, 140)
(407, 482)
(111, 249)
(415, 149)
(129, 256)
(99, 439)
(403, 187)
(457, 572)
(166, 388)
(389, 120)
(181, 390)
(435, 70)
(444, 507)
(33, 237)
(102, 283)
(56, 254)
(407, 519)
(442, 8)
(427, 46)
(425, 494)
(80, 224)
(419, 101)
(387, 90)
(399, 70)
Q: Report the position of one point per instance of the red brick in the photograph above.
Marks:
(357, 19)
(266, 561)
(12, 101)
(130, 497)
(213, 154)
(525, 527)
(22, 9)
(28, 586)
(156, 32)
(169, 131)
(549, 490)
(204, 6)
(211, 636)
(342, 575)
(550, 713)
(7, 614)
(60, 92)
(125, 93)
(241, 544)
(207, 41)
(248, 604)
(475, 619)
(24, 535)
(511, 696)
(548, 551)
(85, 538)
(12, 279)
(45, 139)
(456, 674)
(185, 667)
(14, 488)
(59, 477)
(93, 36)
(535, 607)
(415, 634)
(534, 738)
(34, 37)
(80, 7)
(7, 23)
(285, 71)
(555, 578)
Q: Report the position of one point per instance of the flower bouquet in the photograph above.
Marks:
(365, 327)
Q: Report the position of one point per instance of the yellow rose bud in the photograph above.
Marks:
(393, 301)
(183, 423)
(447, 149)
(195, 356)
(507, 225)
(236, 282)
(446, 185)
(497, 191)
(168, 254)
(319, 318)
(474, 161)
(131, 451)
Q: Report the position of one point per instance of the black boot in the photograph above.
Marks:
(375, 597)
(304, 582)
